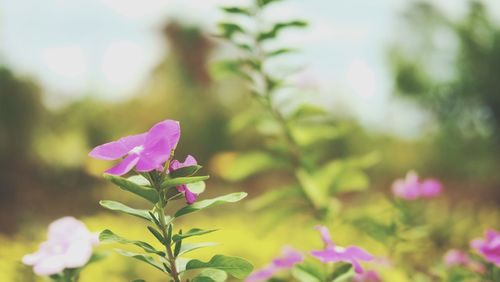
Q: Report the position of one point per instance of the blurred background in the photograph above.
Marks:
(417, 82)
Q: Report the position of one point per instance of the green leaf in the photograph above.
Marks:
(210, 275)
(231, 67)
(173, 182)
(117, 206)
(139, 280)
(157, 235)
(108, 236)
(185, 171)
(188, 247)
(263, 3)
(191, 233)
(248, 164)
(310, 134)
(237, 10)
(139, 180)
(178, 245)
(237, 267)
(145, 258)
(280, 51)
(307, 111)
(341, 176)
(314, 192)
(147, 193)
(278, 27)
(308, 272)
(342, 273)
(230, 198)
(230, 29)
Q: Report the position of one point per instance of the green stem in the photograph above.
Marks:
(164, 225)
(265, 99)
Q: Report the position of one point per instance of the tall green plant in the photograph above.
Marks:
(296, 137)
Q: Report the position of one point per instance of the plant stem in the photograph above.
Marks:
(163, 228)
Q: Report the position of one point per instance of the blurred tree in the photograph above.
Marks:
(451, 68)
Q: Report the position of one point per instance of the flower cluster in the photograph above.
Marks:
(330, 253)
(69, 245)
(412, 188)
(147, 152)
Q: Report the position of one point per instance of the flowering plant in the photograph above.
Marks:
(306, 271)
(160, 180)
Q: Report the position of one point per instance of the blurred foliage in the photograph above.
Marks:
(292, 139)
(450, 67)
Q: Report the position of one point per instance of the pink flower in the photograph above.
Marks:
(146, 151)
(367, 276)
(333, 253)
(289, 258)
(456, 257)
(489, 247)
(411, 188)
(69, 245)
(175, 165)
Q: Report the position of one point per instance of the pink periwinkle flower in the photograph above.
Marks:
(489, 247)
(175, 165)
(147, 151)
(367, 276)
(69, 245)
(289, 258)
(333, 253)
(412, 188)
(456, 257)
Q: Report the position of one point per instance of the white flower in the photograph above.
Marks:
(69, 245)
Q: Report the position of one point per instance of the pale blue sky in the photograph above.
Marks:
(74, 47)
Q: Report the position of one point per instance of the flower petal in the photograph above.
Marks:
(430, 188)
(357, 266)
(50, 265)
(325, 235)
(190, 196)
(358, 253)
(124, 166)
(154, 156)
(327, 255)
(78, 253)
(117, 149)
(109, 151)
(262, 274)
(167, 129)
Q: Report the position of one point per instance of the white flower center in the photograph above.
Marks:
(136, 150)
(339, 249)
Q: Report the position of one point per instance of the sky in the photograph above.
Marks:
(109, 47)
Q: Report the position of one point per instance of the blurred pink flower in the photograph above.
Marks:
(456, 257)
(146, 151)
(367, 276)
(411, 188)
(489, 247)
(69, 245)
(175, 165)
(289, 258)
(332, 253)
